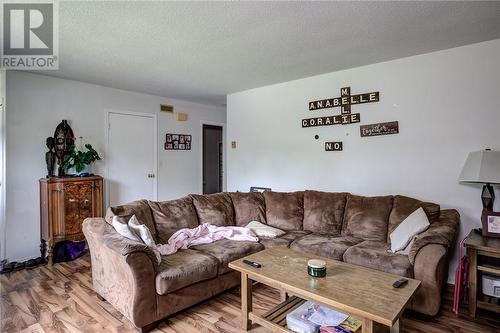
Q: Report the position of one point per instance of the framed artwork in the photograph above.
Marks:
(259, 189)
(491, 223)
(177, 141)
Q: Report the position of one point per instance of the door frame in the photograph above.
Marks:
(3, 164)
(224, 152)
(153, 116)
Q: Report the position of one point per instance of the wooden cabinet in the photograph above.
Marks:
(64, 203)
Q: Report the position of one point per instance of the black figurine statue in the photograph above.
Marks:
(50, 156)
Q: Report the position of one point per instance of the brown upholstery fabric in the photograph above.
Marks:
(367, 217)
(216, 209)
(124, 246)
(373, 254)
(282, 241)
(285, 210)
(183, 298)
(226, 251)
(170, 216)
(184, 268)
(404, 206)
(443, 231)
(324, 212)
(431, 268)
(248, 207)
(124, 279)
(332, 247)
(139, 208)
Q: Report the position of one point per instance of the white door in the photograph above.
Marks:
(131, 157)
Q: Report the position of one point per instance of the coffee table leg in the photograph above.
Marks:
(395, 327)
(367, 326)
(246, 301)
(283, 295)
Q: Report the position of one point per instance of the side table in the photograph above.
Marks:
(480, 250)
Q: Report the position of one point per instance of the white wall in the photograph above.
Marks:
(38, 103)
(447, 104)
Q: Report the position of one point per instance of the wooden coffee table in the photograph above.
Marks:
(361, 292)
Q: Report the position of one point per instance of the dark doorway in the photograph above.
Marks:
(212, 159)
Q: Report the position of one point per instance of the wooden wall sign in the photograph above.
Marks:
(333, 146)
(178, 142)
(345, 101)
(340, 119)
(391, 127)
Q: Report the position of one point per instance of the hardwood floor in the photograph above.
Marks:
(60, 299)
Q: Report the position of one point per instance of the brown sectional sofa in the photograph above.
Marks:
(340, 226)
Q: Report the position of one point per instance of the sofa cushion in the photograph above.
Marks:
(375, 255)
(367, 217)
(328, 246)
(170, 216)
(226, 251)
(248, 207)
(404, 206)
(139, 208)
(282, 241)
(284, 210)
(184, 268)
(216, 209)
(324, 211)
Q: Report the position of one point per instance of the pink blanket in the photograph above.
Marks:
(204, 234)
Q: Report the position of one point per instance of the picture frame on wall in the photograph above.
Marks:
(491, 224)
(177, 141)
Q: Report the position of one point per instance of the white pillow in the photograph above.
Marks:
(141, 230)
(263, 230)
(406, 250)
(411, 226)
(136, 231)
(124, 230)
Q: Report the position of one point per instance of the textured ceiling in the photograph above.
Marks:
(201, 51)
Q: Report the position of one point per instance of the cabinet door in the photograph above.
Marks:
(77, 205)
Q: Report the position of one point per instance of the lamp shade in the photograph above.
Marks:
(482, 167)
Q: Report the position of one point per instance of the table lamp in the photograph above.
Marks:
(483, 167)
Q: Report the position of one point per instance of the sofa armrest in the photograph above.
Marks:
(443, 232)
(123, 272)
(431, 269)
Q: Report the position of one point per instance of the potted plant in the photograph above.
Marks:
(79, 159)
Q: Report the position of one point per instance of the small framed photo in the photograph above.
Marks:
(188, 138)
(168, 146)
(188, 145)
(176, 144)
(182, 146)
(259, 189)
(491, 224)
(175, 137)
(169, 138)
(181, 138)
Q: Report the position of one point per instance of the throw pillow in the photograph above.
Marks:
(414, 224)
(263, 230)
(145, 234)
(124, 230)
(136, 231)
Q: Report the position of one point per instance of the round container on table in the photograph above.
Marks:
(316, 268)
